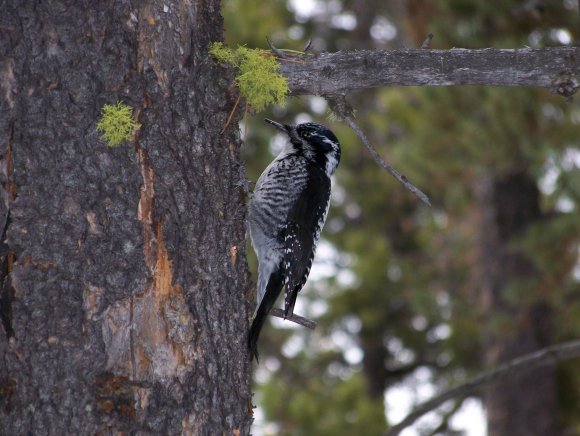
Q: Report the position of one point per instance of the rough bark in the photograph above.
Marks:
(342, 72)
(524, 403)
(125, 293)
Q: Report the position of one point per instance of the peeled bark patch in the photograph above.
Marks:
(149, 335)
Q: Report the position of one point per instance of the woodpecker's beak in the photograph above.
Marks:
(282, 127)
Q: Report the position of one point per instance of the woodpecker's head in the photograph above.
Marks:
(317, 143)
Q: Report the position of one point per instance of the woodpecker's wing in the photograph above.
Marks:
(301, 233)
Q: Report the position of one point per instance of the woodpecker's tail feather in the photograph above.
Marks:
(273, 289)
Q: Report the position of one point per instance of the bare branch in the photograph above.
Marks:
(305, 322)
(342, 72)
(546, 356)
(443, 427)
(339, 106)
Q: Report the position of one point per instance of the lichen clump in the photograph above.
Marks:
(117, 123)
(258, 81)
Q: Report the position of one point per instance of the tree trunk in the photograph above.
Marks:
(520, 404)
(124, 288)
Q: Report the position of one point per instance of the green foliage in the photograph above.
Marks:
(258, 78)
(117, 123)
(248, 21)
(342, 406)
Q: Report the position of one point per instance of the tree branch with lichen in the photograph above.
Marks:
(258, 78)
(554, 68)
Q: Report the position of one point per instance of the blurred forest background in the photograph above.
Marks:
(410, 301)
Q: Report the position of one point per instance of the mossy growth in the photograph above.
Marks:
(258, 80)
(117, 123)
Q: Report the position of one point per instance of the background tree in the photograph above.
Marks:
(486, 276)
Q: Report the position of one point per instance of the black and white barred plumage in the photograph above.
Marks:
(286, 215)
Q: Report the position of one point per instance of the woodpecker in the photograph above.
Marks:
(286, 215)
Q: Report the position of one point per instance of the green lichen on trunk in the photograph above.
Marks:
(258, 79)
(117, 124)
